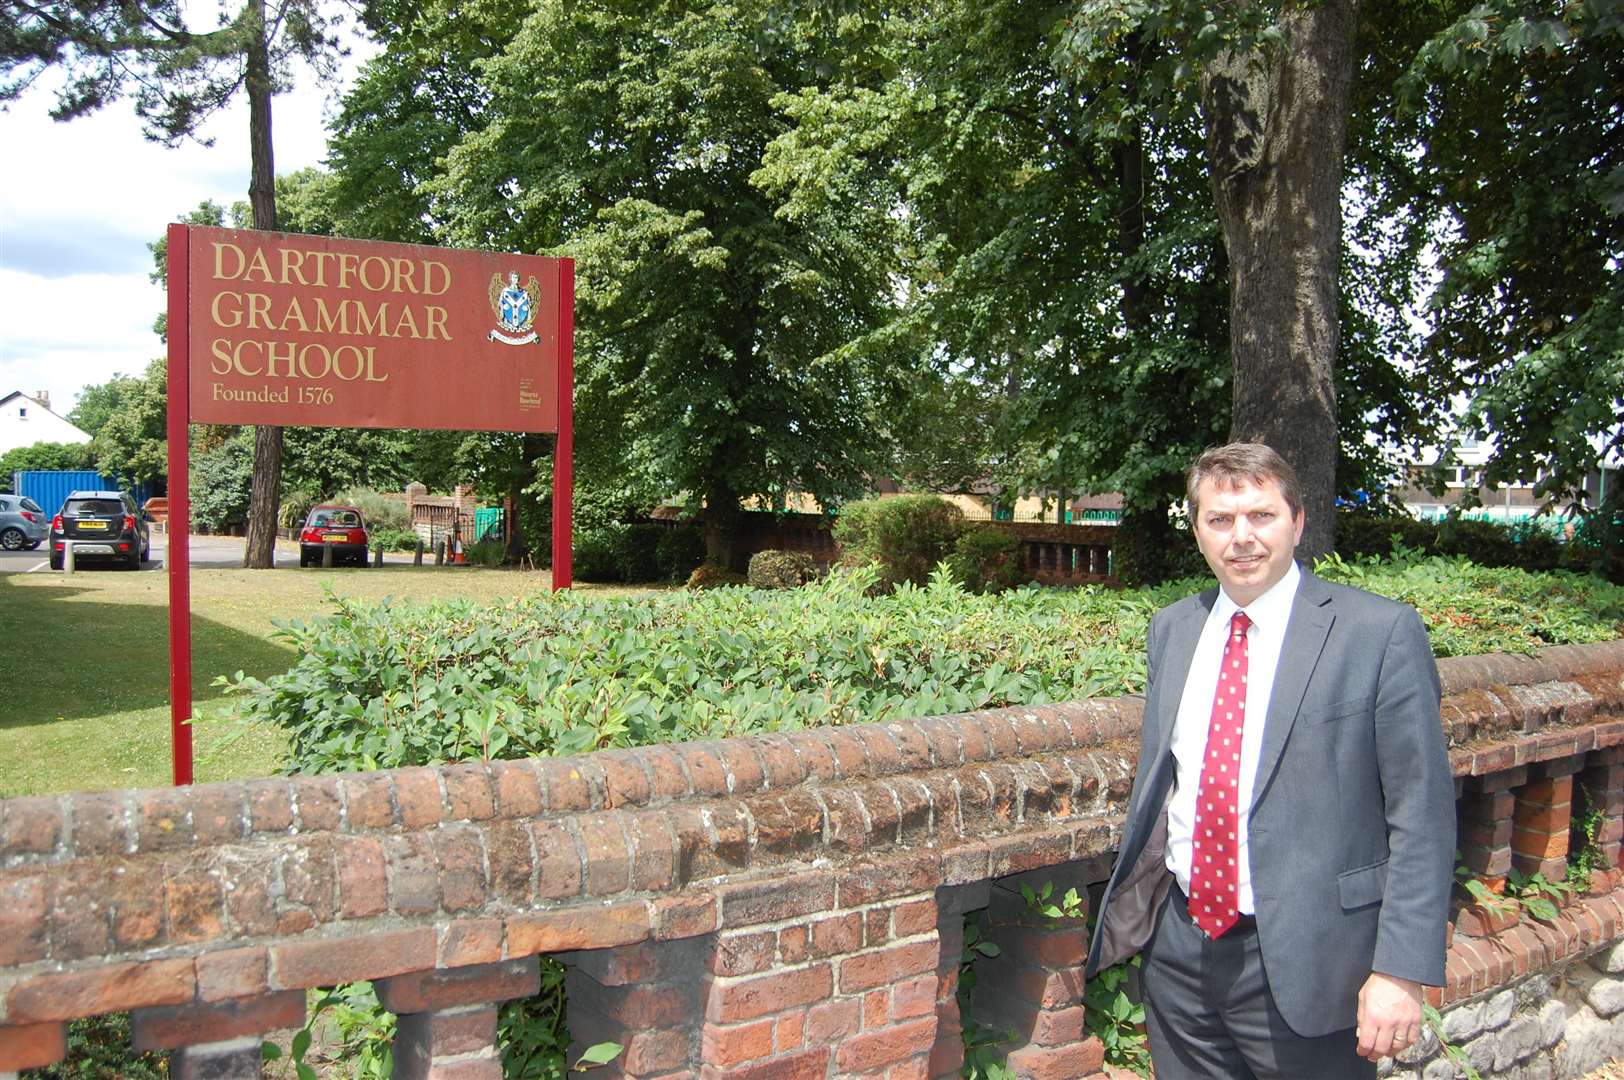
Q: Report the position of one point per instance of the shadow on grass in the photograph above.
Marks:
(72, 658)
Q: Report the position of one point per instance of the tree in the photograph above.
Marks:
(131, 444)
(178, 78)
(726, 326)
(47, 456)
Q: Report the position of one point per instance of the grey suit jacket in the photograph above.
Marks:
(1352, 826)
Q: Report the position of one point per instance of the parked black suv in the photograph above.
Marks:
(102, 525)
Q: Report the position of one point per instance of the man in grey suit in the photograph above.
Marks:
(1286, 857)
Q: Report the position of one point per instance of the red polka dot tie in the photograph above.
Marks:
(1213, 875)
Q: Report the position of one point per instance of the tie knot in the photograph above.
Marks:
(1238, 624)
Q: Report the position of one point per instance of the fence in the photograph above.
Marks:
(783, 906)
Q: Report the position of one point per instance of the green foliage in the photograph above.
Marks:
(780, 569)
(1435, 1023)
(220, 479)
(906, 535)
(1537, 895)
(130, 419)
(531, 1031)
(679, 552)
(1116, 1019)
(398, 540)
(380, 510)
(984, 1048)
(295, 507)
(487, 553)
(51, 457)
(99, 1049)
(1527, 545)
(987, 559)
(595, 555)
(1585, 853)
(619, 552)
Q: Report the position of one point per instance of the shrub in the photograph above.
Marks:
(380, 509)
(595, 555)
(395, 539)
(773, 569)
(294, 508)
(679, 552)
(987, 559)
(489, 553)
(711, 576)
(906, 535)
(637, 549)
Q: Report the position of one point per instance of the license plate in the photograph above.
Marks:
(92, 549)
(335, 538)
(95, 525)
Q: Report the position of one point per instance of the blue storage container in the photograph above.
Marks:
(50, 489)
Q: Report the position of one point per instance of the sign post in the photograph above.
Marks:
(285, 329)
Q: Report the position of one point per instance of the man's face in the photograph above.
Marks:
(1247, 534)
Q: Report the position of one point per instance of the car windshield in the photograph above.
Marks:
(32, 506)
(93, 508)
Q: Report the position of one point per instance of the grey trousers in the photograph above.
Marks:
(1211, 1016)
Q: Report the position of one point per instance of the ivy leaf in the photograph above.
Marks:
(601, 1054)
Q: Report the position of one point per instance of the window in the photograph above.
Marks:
(22, 412)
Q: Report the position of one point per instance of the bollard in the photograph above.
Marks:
(417, 556)
(439, 553)
(67, 557)
(377, 556)
(327, 556)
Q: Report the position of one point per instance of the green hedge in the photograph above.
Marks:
(378, 686)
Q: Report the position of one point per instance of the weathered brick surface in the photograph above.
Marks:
(167, 1027)
(30, 1046)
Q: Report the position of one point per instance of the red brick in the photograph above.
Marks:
(438, 1034)
(363, 884)
(1537, 817)
(1057, 1062)
(685, 915)
(789, 1033)
(316, 800)
(876, 1009)
(558, 861)
(166, 1027)
(705, 770)
(595, 927)
(877, 1049)
(731, 1044)
(880, 804)
(466, 1069)
(468, 792)
(666, 777)
(847, 821)
(99, 826)
(31, 1046)
(162, 821)
(233, 973)
(652, 1052)
(1540, 845)
(893, 877)
(270, 806)
(783, 768)
(1001, 976)
(1031, 850)
(814, 752)
(733, 1000)
(743, 954)
(417, 793)
(22, 919)
(217, 813)
(414, 879)
(915, 997)
(604, 853)
(470, 941)
(744, 772)
(459, 851)
(636, 1007)
(563, 786)
(510, 858)
(794, 944)
(851, 757)
(367, 802)
(449, 988)
(194, 902)
(914, 1068)
(518, 792)
(914, 917)
(876, 926)
(749, 903)
(111, 988)
(889, 965)
(654, 852)
(300, 965)
(832, 1021)
(883, 750)
(807, 1065)
(839, 934)
(785, 830)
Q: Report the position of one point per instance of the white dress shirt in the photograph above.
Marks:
(1269, 614)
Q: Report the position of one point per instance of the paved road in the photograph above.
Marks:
(211, 552)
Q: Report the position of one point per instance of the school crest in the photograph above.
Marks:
(515, 309)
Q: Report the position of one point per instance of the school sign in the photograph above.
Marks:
(285, 329)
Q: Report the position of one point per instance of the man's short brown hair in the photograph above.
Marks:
(1233, 463)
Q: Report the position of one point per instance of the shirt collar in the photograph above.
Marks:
(1272, 609)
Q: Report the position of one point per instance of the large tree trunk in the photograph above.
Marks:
(1276, 124)
(265, 495)
(721, 521)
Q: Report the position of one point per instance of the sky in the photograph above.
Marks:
(79, 203)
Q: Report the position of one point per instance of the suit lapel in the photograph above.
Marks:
(1306, 631)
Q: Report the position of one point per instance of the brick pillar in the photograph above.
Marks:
(1487, 808)
(947, 1054)
(1603, 779)
(644, 997)
(447, 1028)
(219, 1041)
(1034, 987)
(1544, 816)
(804, 985)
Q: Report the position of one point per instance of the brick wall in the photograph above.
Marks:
(783, 906)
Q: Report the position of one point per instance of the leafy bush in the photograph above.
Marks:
(395, 539)
(711, 576)
(679, 552)
(489, 553)
(988, 560)
(772, 569)
(595, 555)
(906, 535)
(1527, 545)
(380, 509)
(638, 551)
(294, 507)
(219, 483)
(618, 552)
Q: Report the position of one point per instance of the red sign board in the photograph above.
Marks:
(289, 329)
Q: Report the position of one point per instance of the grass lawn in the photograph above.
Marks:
(84, 669)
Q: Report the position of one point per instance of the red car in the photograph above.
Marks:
(341, 528)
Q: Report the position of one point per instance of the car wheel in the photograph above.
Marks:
(13, 539)
(56, 561)
(135, 558)
(146, 551)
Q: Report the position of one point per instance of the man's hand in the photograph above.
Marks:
(1389, 1015)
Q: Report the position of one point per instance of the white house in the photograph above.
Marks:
(26, 419)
